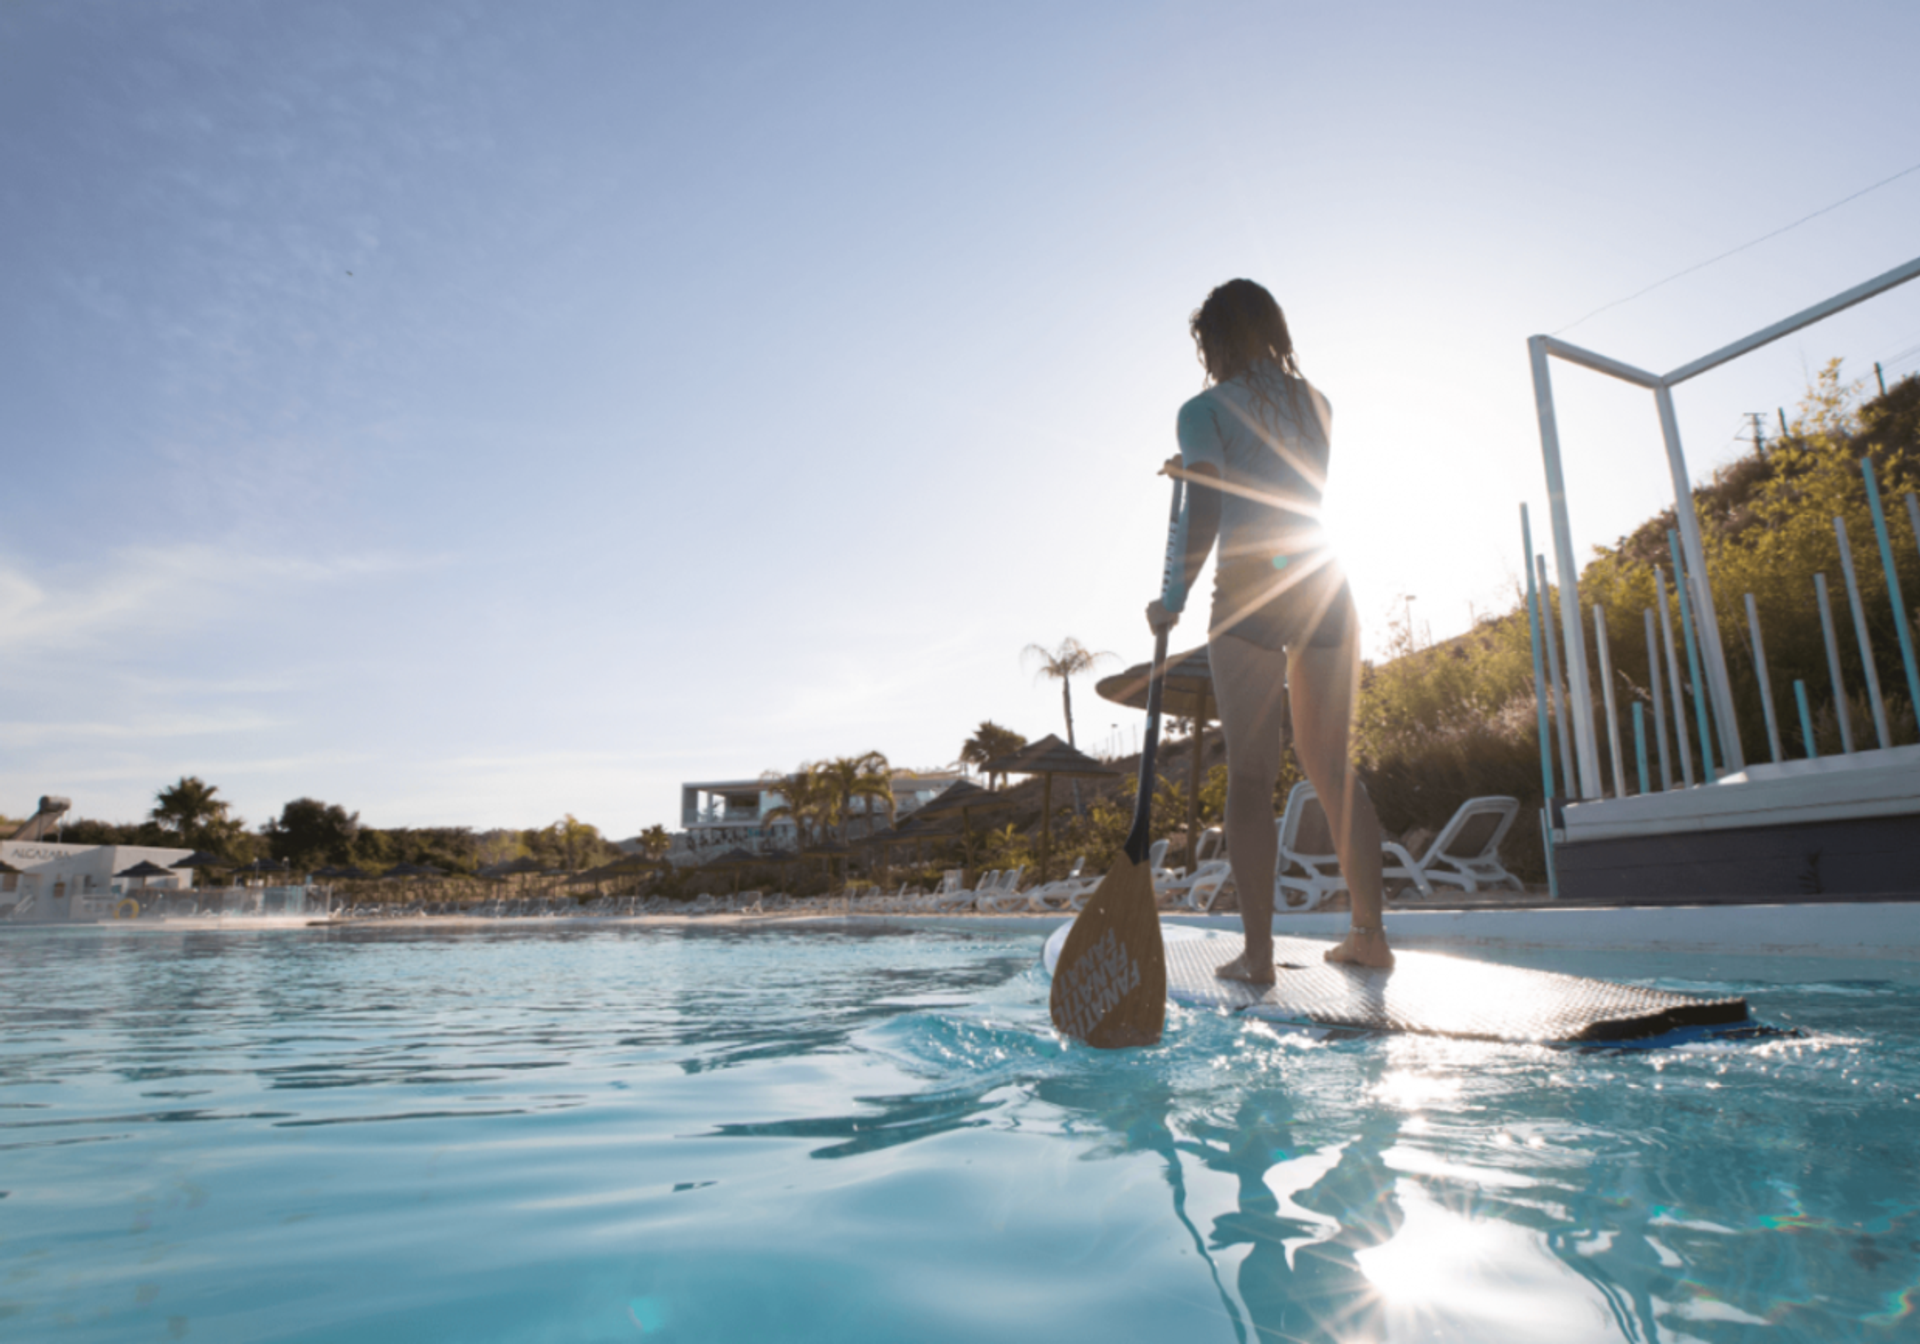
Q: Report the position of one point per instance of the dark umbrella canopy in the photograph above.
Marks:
(201, 859)
(144, 869)
(335, 873)
(735, 858)
(514, 868)
(915, 828)
(414, 870)
(963, 797)
(625, 867)
(957, 798)
(1048, 757)
(9, 869)
(1187, 694)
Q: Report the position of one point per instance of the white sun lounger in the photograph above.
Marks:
(1065, 893)
(1466, 853)
(1003, 897)
(950, 895)
(1306, 842)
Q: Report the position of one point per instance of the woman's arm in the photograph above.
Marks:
(1203, 524)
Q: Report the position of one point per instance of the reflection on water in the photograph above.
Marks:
(706, 1135)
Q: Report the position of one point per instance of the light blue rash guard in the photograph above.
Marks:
(1274, 584)
(1272, 444)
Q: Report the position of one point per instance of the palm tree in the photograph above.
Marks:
(990, 742)
(1063, 664)
(655, 841)
(869, 776)
(807, 800)
(190, 809)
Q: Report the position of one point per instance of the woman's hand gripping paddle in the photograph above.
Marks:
(1110, 983)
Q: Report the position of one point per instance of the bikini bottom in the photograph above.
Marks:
(1252, 600)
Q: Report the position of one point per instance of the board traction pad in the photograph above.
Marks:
(1431, 993)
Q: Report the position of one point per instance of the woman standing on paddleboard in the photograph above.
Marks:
(1254, 448)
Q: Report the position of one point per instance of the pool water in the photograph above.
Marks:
(619, 1133)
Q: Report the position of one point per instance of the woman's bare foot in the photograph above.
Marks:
(1363, 949)
(1247, 969)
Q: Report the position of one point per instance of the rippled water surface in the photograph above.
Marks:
(622, 1134)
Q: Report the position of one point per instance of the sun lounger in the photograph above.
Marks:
(1199, 891)
(1003, 897)
(953, 896)
(1466, 853)
(1065, 893)
(1306, 842)
(1213, 845)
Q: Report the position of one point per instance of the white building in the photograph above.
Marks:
(725, 814)
(68, 883)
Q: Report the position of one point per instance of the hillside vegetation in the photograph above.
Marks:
(1442, 724)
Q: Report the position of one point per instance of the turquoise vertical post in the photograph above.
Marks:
(1806, 719)
(1893, 584)
(1640, 742)
(1535, 626)
(1693, 659)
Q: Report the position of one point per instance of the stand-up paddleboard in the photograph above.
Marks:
(1433, 994)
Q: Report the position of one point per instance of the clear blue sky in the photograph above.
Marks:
(470, 413)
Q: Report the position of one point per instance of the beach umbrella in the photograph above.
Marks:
(913, 831)
(963, 797)
(828, 849)
(8, 870)
(144, 870)
(621, 867)
(1187, 693)
(1047, 757)
(200, 861)
(734, 860)
(414, 870)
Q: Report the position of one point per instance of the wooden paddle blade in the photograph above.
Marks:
(1110, 984)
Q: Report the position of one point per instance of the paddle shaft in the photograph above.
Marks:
(1139, 839)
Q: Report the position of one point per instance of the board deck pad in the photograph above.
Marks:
(1431, 993)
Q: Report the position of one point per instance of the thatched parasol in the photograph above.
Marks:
(1187, 694)
(414, 870)
(964, 797)
(200, 859)
(1047, 757)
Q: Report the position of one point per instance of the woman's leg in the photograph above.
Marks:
(1250, 684)
(1325, 682)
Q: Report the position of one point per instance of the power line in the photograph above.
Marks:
(1825, 209)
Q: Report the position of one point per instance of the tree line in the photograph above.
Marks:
(309, 834)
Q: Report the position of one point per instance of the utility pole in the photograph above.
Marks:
(1782, 411)
(1880, 377)
(1759, 433)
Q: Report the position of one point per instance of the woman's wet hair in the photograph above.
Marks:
(1240, 328)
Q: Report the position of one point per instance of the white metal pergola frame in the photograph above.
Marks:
(1719, 689)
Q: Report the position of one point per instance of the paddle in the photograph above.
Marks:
(1110, 983)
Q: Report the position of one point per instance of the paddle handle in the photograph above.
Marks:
(1173, 596)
